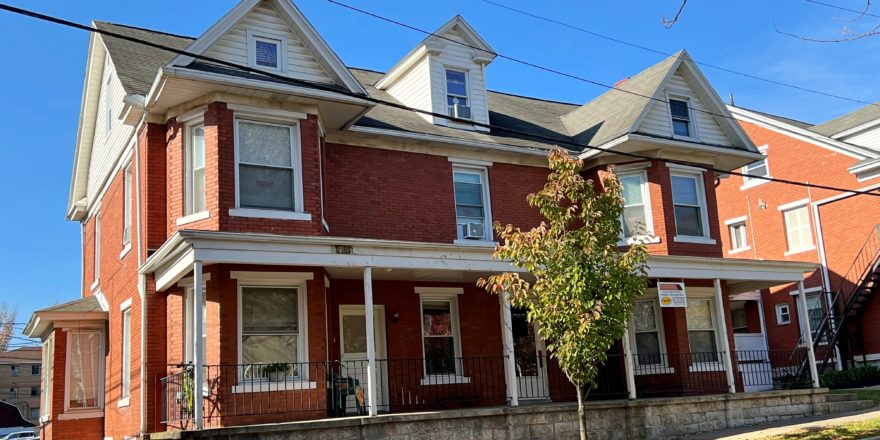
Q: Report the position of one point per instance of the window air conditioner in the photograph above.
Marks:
(473, 231)
(461, 111)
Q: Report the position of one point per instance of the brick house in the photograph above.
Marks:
(835, 230)
(259, 250)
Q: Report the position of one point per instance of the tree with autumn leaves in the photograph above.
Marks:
(581, 286)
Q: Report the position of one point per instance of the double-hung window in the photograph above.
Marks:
(126, 354)
(35, 391)
(756, 169)
(783, 314)
(457, 94)
(636, 206)
(701, 330)
(267, 161)
(682, 120)
(195, 168)
(646, 325)
(738, 236)
(14, 370)
(46, 379)
(797, 229)
(270, 329)
(472, 203)
(689, 202)
(13, 393)
(35, 369)
(440, 335)
(85, 370)
(126, 205)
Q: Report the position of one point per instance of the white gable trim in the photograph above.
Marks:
(313, 41)
(857, 129)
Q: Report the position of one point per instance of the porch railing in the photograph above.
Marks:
(263, 393)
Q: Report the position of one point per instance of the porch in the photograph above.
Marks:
(303, 329)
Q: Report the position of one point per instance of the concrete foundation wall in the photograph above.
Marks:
(638, 419)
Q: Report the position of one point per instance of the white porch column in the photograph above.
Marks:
(371, 341)
(727, 359)
(629, 366)
(507, 339)
(807, 336)
(198, 349)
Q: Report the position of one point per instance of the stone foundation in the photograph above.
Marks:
(638, 419)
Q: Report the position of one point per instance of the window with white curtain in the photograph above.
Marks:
(701, 330)
(85, 357)
(738, 236)
(46, 379)
(270, 327)
(266, 165)
(636, 212)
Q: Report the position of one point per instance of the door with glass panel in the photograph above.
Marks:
(530, 357)
(353, 356)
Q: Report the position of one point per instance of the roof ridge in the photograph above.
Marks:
(146, 29)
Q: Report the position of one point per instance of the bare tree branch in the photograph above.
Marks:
(7, 321)
(669, 23)
(845, 31)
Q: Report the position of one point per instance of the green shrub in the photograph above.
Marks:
(840, 379)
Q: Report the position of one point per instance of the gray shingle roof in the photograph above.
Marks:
(848, 121)
(83, 305)
(783, 119)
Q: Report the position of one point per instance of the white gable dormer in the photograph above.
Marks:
(446, 74)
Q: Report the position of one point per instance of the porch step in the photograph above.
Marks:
(840, 397)
(849, 406)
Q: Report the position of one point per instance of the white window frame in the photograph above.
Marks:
(277, 118)
(125, 387)
(438, 295)
(651, 369)
(694, 294)
(697, 175)
(281, 40)
(692, 122)
(648, 237)
(467, 88)
(287, 280)
(806, 228)
(483, 173)
(780, 319)
(126, 205)
(735, 223)
(46, 382)
(97, 411)
(97, 251)
(188, 180)
(753, 182)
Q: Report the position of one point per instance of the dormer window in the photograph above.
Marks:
(679, 109)
(457, 94)
(266, 51)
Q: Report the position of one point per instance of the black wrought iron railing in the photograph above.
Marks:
(773, 369)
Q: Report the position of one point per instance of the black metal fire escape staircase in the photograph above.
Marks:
(840, 326)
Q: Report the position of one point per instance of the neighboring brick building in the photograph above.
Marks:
(20, 381)
(837, 231)
(236, 228)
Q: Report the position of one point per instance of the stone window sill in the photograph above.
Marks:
(268, 213)
(125, 250)
(83, 414)
(694, 240)
(193, 218)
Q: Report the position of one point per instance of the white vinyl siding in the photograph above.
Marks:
(797, 229)
(657, 120)
(457, 57)
(870, 138)
(413, 89)
(108, 143)
(264, 19)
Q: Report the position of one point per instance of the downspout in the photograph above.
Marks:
(141, 277)
(826, 283)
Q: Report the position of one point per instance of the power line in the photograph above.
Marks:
(664, 53)
(367, 98)
(829, 5)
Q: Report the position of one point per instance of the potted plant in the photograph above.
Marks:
(277, 371)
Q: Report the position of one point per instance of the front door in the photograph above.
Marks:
(353, 354)
(530, 357)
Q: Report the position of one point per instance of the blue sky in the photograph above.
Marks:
(41, 82)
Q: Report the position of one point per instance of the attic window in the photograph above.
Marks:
(457, 94)
(266, 51)
(681, 117)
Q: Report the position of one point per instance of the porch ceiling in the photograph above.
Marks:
(458, 276)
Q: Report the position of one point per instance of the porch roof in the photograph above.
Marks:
(341, 255)
(84, 309)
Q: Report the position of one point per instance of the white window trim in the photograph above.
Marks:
(81, 413)
(648, 237)
(706, 238)
(188, 193)
(736, 222)
(483, 172)
(278, 118)
(302, 343)
(127, 191)
(467, 88)
(778, 307)
(757, 181)
(695, 293)
(192, 218)
(47, 381)
(125, 394)
(125, 250)
(253, 36)
(452, 297)
(789, 207)
(96, 251)
(691, 114)
(651, 369)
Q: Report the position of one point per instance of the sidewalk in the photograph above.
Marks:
(787, 426)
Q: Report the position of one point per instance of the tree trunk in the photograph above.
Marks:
(582, 411)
